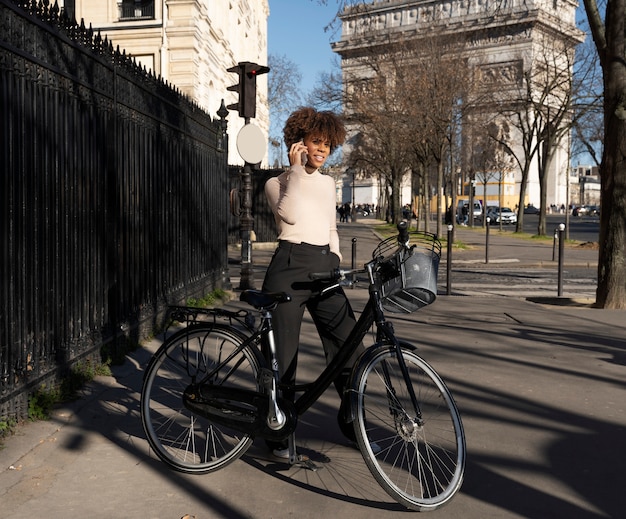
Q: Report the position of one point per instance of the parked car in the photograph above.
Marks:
(586, 210)
(531, 209)
(594, 210)
(496, 214)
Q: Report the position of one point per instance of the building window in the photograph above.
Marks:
(70, 9)
(136, 9)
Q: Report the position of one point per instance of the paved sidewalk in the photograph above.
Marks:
(540, 387)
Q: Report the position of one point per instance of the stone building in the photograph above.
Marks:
(585, 186)
(505, 42)
(190, 44)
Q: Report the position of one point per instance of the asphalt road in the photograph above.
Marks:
(581, 228)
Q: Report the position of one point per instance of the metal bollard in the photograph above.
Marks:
(353, 261)
(560, 267)
(487, 241)
(449, 262)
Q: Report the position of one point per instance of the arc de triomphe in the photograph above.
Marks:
(501, 38)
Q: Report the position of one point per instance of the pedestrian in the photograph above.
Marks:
(341, 213)
(302, 200)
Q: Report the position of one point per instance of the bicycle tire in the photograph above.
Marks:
(183, 440)
(420, 465)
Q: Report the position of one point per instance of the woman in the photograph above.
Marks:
(304, 206)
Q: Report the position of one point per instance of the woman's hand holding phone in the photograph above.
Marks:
(298, 154)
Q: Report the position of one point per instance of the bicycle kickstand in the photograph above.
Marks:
(299, 460)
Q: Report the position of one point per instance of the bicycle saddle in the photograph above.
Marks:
(263, 300)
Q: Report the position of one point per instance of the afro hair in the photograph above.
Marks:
(308, 121)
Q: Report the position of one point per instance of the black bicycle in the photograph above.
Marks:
(209, 391)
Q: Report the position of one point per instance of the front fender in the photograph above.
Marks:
(351, 394)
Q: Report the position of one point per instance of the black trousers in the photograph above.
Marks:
(332, 314)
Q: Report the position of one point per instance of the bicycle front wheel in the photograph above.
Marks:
(185, 441)
(416, 454)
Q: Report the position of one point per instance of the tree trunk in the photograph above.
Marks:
(610, 41)
(611, 291)
(522, 195)
(439, 193)
(396, 204)
(544, 168)
(425, 194)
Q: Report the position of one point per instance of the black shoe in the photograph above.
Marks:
(273, 445)
(281, 453)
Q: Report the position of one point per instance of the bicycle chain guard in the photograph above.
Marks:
(240, 409)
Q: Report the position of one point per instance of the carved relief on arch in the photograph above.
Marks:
(500, 74)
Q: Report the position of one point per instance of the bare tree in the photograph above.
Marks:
(553, 107)
(284, 95)
(588, 123)
(404, 98)
(436, 100)
(489, 158)
(374, 109)
(327, 93)
(609, 36)
(537, 101)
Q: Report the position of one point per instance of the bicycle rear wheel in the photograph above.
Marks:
(422, 453)
(186, 441)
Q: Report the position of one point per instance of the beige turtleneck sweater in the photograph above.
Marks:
(304, 207)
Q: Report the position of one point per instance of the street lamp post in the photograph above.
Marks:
(353, 215)
(246, 223)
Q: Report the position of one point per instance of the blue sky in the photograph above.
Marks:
(296, 30)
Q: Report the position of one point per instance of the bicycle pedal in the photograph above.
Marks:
(305, 462)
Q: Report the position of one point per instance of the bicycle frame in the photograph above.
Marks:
(371, 314)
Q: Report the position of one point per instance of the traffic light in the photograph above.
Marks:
(246, 88)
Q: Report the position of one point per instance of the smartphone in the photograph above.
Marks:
(303, 157)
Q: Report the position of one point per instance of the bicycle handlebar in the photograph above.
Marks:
(334, 275)
(339, 274)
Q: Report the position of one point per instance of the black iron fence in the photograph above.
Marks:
(113, 198)
(264, 224)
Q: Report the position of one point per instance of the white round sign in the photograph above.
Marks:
(251, 144)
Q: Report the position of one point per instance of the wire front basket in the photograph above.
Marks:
(410, 282)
